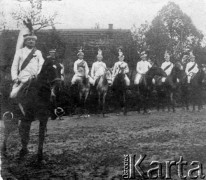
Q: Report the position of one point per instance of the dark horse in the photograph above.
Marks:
(166, 91)
(35, 103)
(146, 87)
(120, 88)
(102, 87)
(192, 92)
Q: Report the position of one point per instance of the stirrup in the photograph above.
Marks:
(7, 114)
(59, 112)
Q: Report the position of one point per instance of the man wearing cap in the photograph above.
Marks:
(191, 68)
(26, 65)
(80, 68)
(52, 57)
(121, 65)
(142, 67)
(167, 66)
(98, 67)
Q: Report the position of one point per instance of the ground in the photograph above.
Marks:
(94, 147)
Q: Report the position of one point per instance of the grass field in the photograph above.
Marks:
(94, 147)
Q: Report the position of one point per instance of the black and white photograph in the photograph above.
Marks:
(102, 89)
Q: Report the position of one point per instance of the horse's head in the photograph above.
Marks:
(51, 74)
(179, 65)
(108, 76)
(156, 71)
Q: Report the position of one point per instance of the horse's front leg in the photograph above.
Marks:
(99, 102)
(172, 101)
(124, 103)
(24, 131)
(42, 128)
(85, 99)
(103, 103)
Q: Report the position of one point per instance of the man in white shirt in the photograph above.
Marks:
(142, 67)
(191, 68)
(167, 66)
(80, 68)
(98, 67)
(21, 71)
(121, 65)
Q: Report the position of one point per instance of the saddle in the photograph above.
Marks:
(25, 88)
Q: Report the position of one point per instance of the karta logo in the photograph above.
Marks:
(135, 168)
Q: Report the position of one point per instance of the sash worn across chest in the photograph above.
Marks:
(192, 67)
(81, 64)
(167, 67)
(28, 59)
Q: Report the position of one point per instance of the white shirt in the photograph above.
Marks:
(168, 70)
(143, 67)
(33, 67)
(98, 69)
(189, 65)
(78, 70)
(117, 66)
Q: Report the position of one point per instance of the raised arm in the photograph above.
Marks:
(41, 61)
(15, 66)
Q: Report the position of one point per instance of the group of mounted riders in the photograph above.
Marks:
(28, 62)
(36, 81)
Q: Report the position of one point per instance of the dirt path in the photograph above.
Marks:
(93, 148)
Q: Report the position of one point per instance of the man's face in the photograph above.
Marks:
(99, 58)
(192, 59)
(144, 58)
(167, 57)
(121, 58)
(81, 57)
(52, 54)
(30, 42)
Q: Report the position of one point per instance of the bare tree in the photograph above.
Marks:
(35, 14)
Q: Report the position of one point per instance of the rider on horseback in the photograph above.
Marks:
(98, 67)
(191, 68)
(53, 57)
(121, 67)
(142, 67)
(80, 69)
(26, 65)
(167, 66)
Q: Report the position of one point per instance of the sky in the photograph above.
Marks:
(83, 14)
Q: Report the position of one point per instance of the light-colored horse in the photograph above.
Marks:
(102, 86)
(83, 89)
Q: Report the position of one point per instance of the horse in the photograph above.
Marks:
(146, 87)
(34, 101)
(81, 88)
(192, 92)
(120, 88)
(169, 88)
(102, 86)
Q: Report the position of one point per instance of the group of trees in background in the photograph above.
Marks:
(170, 30)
